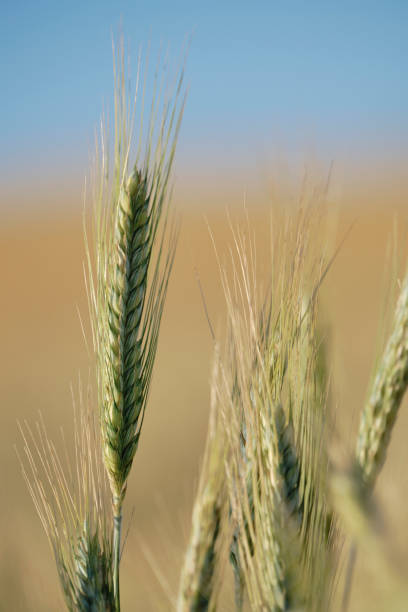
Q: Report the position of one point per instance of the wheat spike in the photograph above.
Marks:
(124, 394)
(128, 276)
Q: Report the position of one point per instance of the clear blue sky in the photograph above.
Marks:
(332, 72)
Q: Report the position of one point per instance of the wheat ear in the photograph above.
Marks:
(247, 391)
(72, 504)
(133, 260)
(388, 389)
(274, 408)
(381, 410)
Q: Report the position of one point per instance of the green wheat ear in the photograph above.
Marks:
(129, 274)
(125, 372)
(128, 295)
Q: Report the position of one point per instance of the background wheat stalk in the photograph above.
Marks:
(378, 417)
(389, 386)
(271, 397)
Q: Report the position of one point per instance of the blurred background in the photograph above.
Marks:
(277, 92)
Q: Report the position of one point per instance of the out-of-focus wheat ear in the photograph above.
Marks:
(201, 569)
(389, 386)
(252, 469)
(198, 575)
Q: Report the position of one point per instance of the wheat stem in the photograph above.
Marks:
(117, 530)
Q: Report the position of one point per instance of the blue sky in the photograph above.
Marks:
(261, 75)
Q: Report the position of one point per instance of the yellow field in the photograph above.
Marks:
(43, 352)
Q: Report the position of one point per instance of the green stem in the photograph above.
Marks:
(117, 528)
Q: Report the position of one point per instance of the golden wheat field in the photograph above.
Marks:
(44, 354)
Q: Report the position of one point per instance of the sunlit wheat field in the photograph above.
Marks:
(204, 307)
(45, 352)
